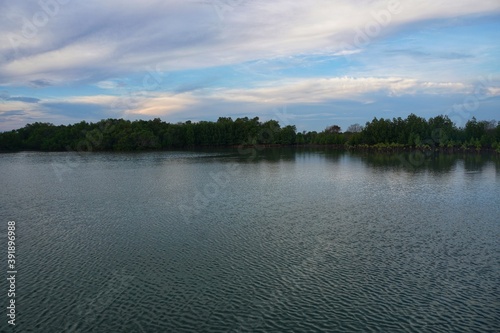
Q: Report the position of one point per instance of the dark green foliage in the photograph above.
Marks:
(288, 135)
(418, 132)
(126, 135)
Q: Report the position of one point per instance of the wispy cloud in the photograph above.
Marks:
(95, 38)
(338, 88)
(256, 52)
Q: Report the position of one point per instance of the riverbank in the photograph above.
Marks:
(379, 148)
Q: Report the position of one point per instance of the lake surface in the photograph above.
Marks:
(279, 240)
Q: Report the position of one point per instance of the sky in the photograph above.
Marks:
(309, 63)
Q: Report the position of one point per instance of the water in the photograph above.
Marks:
(280, 241)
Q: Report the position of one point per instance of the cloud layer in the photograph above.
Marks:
(171, 57)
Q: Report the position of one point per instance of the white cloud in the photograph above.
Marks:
(107, 84)
(98, 39)
(140, 103)
(162, 105)
(106, 44)
(59, 61)
(298, 91)
(494, 91)
(337, 88)
(6, 106)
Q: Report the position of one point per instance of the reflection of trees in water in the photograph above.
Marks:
(278, 154)
(430, 161)
(269, 154)
(333, 155)
(496, 160)
(408, 161)
(474, 162)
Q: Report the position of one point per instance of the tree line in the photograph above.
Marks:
(126, 135)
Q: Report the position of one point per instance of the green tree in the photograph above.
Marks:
(288, 135)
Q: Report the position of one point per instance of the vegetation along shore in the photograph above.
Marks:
(397, 134)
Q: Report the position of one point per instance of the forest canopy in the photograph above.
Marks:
(126, 135)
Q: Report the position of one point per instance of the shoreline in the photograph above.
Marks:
(378, 148)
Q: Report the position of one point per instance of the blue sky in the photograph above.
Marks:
(308, 63)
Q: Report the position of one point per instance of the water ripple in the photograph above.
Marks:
(314, 243)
